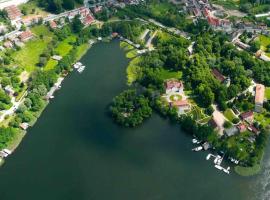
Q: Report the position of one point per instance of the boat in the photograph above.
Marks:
(52, 97)
(81, 69)
(194, 141)
(227, 171)
(208, 156)
(77, 65)
(218, 167)
(199, 148)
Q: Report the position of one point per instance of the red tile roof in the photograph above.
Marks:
(89, 19)
(246, 115)
(218, 75)
(172, 83)
(241, 127)
(26, 35)
(181, 103)
(13, 12)
(53, 24)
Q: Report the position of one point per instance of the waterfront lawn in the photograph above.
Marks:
(127, 47)
(133, 70)
(50, 64)
(229, 115)
(28, 56)
(132, 54)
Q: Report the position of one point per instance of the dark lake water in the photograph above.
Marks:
(76, 152)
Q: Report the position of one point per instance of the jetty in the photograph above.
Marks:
(56, 86)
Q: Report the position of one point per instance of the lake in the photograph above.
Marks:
(76, 152)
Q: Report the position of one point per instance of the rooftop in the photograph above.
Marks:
(259, 97)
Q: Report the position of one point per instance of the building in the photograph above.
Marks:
(9, 90)
(218, 75)
(14, 13)
(24, 126)
(8, 44)
(231, 131)
(88, 20)
(259, 97)
(182, 105)
(25, 36)
(247, 116)
(174, 86)
(254, 130)
(241, 127)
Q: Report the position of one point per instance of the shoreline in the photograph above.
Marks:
(15, 143)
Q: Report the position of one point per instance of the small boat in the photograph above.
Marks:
(52, 97)
(218, 167)
(199, 148)
(208, 156)
(81, 69)
(227, 171)
(194, 141)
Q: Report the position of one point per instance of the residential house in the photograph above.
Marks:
(241, 127)
(14, 13)
(9, 90)
(259, 97)
(53, 24)
(218, 75)
(182, 105)
(25, 36)
(247, 116)
(231, 131)
(88, 20)
(254, 130)
(8, 44)
(174, 86)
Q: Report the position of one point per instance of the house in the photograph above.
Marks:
(182, 105)
(259, 97)
(30, 20)
(241, 127)
(247, 116)
(13, 12)
(9, 90)
(8, 44)
(231, 131)
(97, 9)
(218, 75)
(24, 126)
(53, 24)
(254, 130)
(88, 20)
(174, 86)
(25, 36)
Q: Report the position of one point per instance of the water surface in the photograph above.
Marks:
(76, 152)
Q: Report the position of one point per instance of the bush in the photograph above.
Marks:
(235, 120)
(227, 124)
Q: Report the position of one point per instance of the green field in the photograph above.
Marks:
(265, 41)
(133, 70)
(29, 55)
(65, 46)
(267, 93)
(229, 115)
(166, 74)
(262, 118)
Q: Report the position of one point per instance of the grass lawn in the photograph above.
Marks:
(28, 56)
(175, 97)
(81, 50)
(267, 93)
(160, 8)
(133, 70)
(262, 118)
(126, 46)
(265, 41)
(31, 9)
(166, 74)
(132, 54)
(229, 115)
(229, 4)
(50, 65)
(64, 47)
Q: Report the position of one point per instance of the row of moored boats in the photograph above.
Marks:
(79, 66)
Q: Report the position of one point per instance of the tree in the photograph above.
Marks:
(205, 94)
(255, 46)
(77, 25)
(68, 4)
